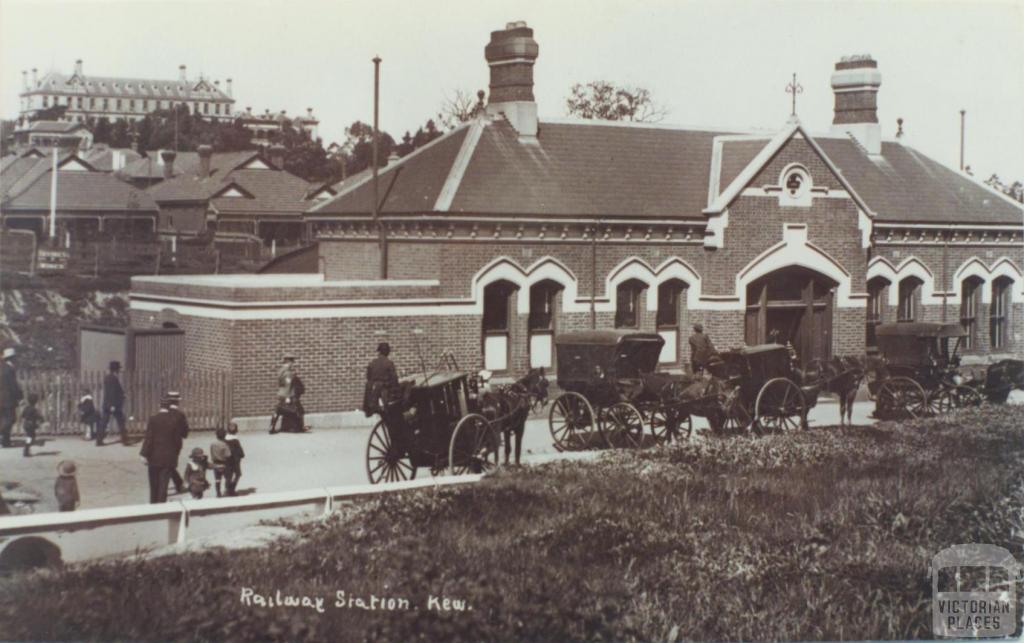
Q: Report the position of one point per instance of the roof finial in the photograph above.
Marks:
(794, 88)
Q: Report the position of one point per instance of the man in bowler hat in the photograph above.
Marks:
(160, 450)
(10, 396)
(113, 405)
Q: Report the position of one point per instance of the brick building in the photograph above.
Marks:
(510, 229)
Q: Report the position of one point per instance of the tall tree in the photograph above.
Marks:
(602, 100)
(459, 108)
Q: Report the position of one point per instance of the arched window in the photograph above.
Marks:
(627, 303)
(999, 313)
(670, 297)
(970, 303)
(497, 324)
(542, 322)
(910, 291)
(876, 308)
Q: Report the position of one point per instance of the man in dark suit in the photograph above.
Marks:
(701, 349)
(10, 396)
(160, 450)
(174, 400)
(381, 381)
(113, 405)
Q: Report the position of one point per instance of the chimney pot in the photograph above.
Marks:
(182, 73)
(855, 83)
(204, 152)
(35, 81)
(511, 54)
(277, 156)
(228, 81)
(168, 156)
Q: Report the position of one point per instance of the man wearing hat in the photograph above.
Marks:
(10, 395)
(285, 376)
(174, 407)
(701, 349)
(160, 450)
(113, 405)
(381, 380)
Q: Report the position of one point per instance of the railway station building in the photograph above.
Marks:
(511, 229)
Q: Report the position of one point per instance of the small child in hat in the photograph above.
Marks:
(31, 420)
(66, 487)
(87, 413)
(220, 454)
(195, 473)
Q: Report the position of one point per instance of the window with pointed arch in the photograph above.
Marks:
(970, 304)
(910, 292)
(999, 313)
(627, 303)
(876, 309)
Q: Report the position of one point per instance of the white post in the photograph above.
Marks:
(273, 247)
(174, 244)
(53, 198)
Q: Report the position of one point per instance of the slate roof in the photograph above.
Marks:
(115, 87)
(53, 127)
(184, 163)
(274, 191)
(76, 190)
(102, 158)
(620, 170)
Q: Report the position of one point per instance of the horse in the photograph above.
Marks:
(509, 406)
(842, 376)
(1002, 377)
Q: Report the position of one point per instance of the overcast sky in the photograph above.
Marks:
(709, 63)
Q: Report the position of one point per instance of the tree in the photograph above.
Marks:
(602, 100)
(7, 136)
(423, 136)
(54, 113)
(459, 108)
(1015, 190)
(357, 150)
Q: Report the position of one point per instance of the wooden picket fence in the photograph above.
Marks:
(206, 397)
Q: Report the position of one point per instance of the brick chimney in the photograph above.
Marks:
(182, 76)
(78, 67)
(24, 79)
(168, 156)
(277, 156)
(204, 152)
(855, 83)
(230, 95)
(511, 55)
(35, 80)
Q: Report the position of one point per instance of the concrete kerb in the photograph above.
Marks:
(335, 420)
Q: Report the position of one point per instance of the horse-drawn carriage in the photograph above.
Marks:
(610, 391)
(762, 390)
(918, 372)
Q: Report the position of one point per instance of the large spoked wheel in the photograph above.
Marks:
(385, 461)
(736, 416)
(668, 425)
(946, 400)
(780, 407)
(900, 398)
(622, 426)
(474, 447)
(572, 422)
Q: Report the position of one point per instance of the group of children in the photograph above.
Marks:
(226, 455)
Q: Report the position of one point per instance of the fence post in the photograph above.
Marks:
(159, 257)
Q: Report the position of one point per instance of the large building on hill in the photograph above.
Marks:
(513, 228)
(88, 97)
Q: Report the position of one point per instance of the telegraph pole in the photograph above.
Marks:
(963, 113)
(376, 187)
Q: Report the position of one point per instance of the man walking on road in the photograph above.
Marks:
(174, 399)
(10, 396)
(160, 450)
(701, 349)
(113, 405)
(381, 381)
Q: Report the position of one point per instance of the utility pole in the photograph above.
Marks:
(963, 112)
(376, 182)
(593, 275)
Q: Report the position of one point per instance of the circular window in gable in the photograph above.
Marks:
(796, 182)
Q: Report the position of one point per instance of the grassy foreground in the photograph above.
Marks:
(825, 534)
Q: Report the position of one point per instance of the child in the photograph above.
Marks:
(195, 473)
(31, 419)
(235, 471)
(66, 488)
(220, 453)
(87, 414)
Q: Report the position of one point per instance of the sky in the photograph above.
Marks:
(711, 64)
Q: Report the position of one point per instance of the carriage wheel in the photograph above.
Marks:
(571, 421)
(622, 426)
(780, 407)
(671, 424)
(900, 398)
(735, 416)
(946, 400)
(385, 462)
(474, 447)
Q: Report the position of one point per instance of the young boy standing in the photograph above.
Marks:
(31, 420)
(66, 487)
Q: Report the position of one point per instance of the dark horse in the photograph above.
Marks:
(839, 375)
(508, 406)
(1001, 378)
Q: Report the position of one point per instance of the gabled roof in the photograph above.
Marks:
(186, 185)
(89, 190)
(611, 169)
(102, 158)
(115, 87)
(53, 127)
